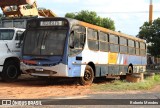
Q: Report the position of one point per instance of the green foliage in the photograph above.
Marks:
(93, 18)
(151, 33)
(70, 15)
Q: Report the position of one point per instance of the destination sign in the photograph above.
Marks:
(46, 22)
(52, 23)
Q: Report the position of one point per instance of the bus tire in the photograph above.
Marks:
(130, 69)
(88, 77)
(11, 71)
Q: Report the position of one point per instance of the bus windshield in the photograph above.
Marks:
(6, 34)
(47, 42)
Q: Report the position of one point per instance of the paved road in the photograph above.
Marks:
(126, 96)
(93, 103)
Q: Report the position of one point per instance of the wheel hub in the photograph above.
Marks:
(12, 71)
(87, 76)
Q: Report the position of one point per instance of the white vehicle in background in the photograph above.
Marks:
(16, 13)
(10, 53)
(11, 30)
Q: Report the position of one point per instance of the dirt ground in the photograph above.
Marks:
(27, 87)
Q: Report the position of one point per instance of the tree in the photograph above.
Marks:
(93, 18)
(108, 23)
(70, 15)
(151, 33)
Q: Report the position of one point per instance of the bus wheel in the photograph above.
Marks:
(130, 69)
(11, 71)
(88, 77)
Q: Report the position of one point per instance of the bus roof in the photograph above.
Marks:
(98, 28)
(74, 21)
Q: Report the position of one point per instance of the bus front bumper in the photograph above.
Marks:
(58, 70)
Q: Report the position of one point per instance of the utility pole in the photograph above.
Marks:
(150, 12)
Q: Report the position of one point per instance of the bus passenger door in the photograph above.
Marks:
(76, 45)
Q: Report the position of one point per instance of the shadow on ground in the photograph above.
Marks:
(27, 80)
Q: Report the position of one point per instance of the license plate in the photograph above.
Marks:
(39, 69)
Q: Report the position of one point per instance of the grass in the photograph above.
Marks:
(119, 85)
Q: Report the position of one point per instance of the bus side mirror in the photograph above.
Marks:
(71, 41)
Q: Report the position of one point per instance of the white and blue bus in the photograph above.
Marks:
(62, 47)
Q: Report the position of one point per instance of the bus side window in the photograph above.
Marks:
(131, 47)
(93, 39)
(137, 48)
(123, 45)
(142, 49)
(77, 39)
(71, 40)
(82, 39)
(113, 43)
(103, 42)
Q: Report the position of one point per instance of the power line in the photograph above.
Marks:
(132, 12)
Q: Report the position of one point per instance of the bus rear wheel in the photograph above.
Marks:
(88, 77)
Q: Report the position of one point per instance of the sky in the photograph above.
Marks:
(128, 15)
